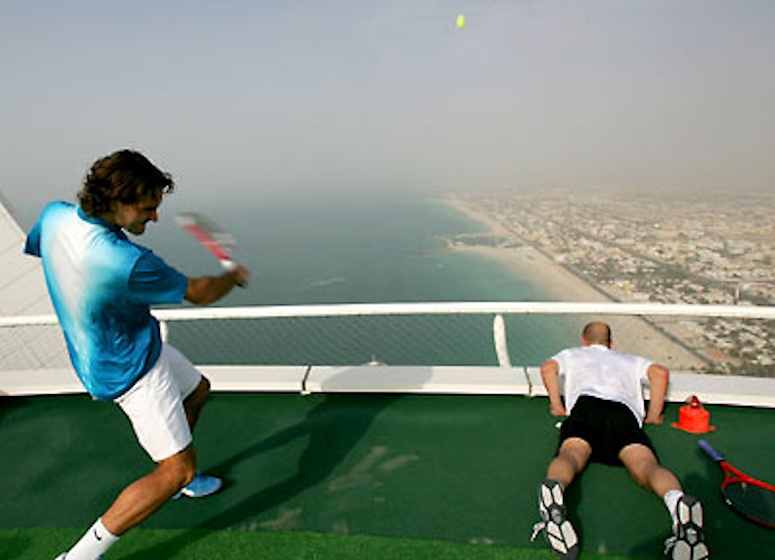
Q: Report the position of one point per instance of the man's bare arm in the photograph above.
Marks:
(550, 374)
(659, 378)
(204, 290)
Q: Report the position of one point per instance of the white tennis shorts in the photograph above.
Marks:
(154, 405)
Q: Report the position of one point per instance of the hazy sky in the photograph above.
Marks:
(271, 96)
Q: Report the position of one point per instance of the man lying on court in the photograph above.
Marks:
(605, 409)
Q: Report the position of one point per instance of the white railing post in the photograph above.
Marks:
(501, 345)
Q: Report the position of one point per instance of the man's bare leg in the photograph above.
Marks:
(571, 459)
(146, 495)
(686, 512)
(135, 504)
(646, 471)
(195, 402)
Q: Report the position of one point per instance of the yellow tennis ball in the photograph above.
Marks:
(461, 21)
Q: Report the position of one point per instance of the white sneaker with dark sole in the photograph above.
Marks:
(558, 530)
(688, 540)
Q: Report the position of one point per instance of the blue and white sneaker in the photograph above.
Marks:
(202, 485)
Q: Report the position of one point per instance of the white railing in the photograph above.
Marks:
(497, 310)
(436, 308)
(483, 307)
(513, 332)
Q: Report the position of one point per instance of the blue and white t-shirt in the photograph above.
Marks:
(102, 286)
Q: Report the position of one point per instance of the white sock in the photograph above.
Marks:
(94, 542)
(671, 501)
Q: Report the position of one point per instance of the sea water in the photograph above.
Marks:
(356, 248)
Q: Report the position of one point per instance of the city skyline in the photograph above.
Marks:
(643, 251)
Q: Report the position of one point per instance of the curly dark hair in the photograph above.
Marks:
(124, 176)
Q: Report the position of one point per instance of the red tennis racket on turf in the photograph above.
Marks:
(751, 498)
(216, 239)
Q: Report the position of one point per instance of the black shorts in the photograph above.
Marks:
(607, 426)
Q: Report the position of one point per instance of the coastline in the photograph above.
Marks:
(633, 334)
(526, 261)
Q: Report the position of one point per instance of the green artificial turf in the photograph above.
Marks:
(377, 476)
(199, 544)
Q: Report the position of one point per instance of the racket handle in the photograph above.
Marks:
(708, 448)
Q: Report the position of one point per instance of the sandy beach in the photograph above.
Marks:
(632, 334)
(526, 261)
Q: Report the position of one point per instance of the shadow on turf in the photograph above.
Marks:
(9, 404)
(333, 428)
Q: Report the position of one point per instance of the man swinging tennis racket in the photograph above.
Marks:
(102, 285)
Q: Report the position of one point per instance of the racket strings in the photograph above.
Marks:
(752, 500)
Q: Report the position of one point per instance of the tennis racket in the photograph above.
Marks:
(214, 238)
(751, 498)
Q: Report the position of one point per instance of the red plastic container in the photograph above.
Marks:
(693, 418)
